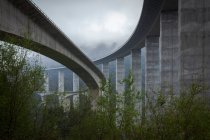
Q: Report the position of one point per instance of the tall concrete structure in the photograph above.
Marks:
(184, 45)
(120, 75)
(75, 82)
(152, 65)
(22, 19)
(61, 81)
(194, 30)
(169, 52)
(46, 84)
(105, 70)
(146, 27)
(136, 67)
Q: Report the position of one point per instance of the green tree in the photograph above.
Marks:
(19, 79)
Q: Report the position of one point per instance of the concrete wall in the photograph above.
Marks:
(120, 74)
(136, 67)
(75, 82)
(105, 70)
(46, 84)
(194, 30)
(169, 52)
(60, 81)
(152, 65)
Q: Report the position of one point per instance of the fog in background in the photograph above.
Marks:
(97, 27)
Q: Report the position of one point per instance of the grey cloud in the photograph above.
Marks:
(100, 51)
(76, 18)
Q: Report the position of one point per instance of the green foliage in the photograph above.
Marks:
(19, 78)
(131, 115)
(128, 111)
(166, 117)
(185, 116)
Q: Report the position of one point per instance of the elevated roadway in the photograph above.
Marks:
(22, 18)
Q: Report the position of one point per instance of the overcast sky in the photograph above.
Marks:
(97, 27)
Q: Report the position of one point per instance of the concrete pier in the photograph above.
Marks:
(60, 81)
(152, 65)
(169, 52)
(120, 74)
(136, 67)
(46, 84)
(105, 70)
(75, 82)
(194, 30)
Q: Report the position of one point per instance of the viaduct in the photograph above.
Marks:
(175, 34)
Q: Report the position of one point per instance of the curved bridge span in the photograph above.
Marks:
(21, 17)
(175, 35)
(148, 25)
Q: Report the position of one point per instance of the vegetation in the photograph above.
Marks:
(125, 116)
(19, 78)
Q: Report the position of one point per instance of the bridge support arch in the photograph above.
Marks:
(22, 17)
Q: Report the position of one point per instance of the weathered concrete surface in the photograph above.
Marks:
(169, 52)
(105, 70)
(136, 67)
(120, 74)
(75, 82)
(46, 84)
(60, 81)
(21, 18)
(152, 65)
(194, 32)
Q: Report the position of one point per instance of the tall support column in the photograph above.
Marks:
(60, 81)
(105, 70)
(194, 32)
(120, 74)
(169, 52)
(75, 82)
(46, 84)
(136, 67)
(152, 65)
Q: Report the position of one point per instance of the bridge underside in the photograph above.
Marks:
(26, 21)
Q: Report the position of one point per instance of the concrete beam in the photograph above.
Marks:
(169, 52)
(136, 67)
(75, 82)
(194, 30)
(60, 81)
(105, 70)
(45, 38)
(152, 65)
(120, 74)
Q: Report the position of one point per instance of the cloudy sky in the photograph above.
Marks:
(97, 27)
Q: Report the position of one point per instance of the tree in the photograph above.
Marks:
(19, 79)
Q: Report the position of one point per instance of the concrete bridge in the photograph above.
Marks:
(61, 80)
(21, 17)
(175, 34)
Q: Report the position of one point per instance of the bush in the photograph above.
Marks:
(117, 115)
(19, 78)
